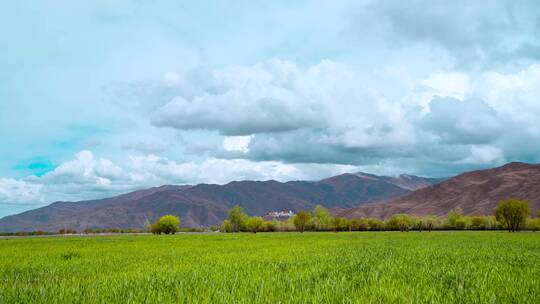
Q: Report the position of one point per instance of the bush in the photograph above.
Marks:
(67, 231)
(167, 224)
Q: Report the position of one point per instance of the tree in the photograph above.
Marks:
(322, 220)
(363, 224)
(255, 224)
(301, 219)
(355, 224)
(375, 224)
(269, 226)
(455, 219)
(167, 224)
(278, 225)
(429, 222)
(534, 224)
(238, 218)
(512, 214)
(478, 222)
(226, 226)
(401, 222)
(340, 224)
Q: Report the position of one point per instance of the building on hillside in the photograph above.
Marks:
(279, 215)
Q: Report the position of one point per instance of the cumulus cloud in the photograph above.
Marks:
(243, 101)
(325, 104)
(339, 115)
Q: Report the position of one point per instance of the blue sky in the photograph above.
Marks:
(103, 97)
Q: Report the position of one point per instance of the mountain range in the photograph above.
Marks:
(347, 195)
(476, 192)
(206, 205)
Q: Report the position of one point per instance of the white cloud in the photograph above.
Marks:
(14, 191)
(331, 113)
(443, 83)
(516, 95)
(237, 143)
(243, 101)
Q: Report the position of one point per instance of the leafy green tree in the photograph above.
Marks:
(429, 222)
(238, 218)
(278, 225)
(375, 224)
(288, 225)
(491, 222)
(340, 224)
(534, 224)
(322, 220)
(401, 222)
(478, 222)
(418, 224)
(255, 224)
(512, 214)
(301, 219)
(268, 226)
(355, 223)
(455, 219)
(167, 224)
(363, 224)
(226, 226)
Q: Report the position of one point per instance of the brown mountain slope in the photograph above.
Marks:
(205, 204)
(475, 192)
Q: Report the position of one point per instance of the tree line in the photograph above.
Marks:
(511, 214)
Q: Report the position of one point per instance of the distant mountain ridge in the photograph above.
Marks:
(205, 205)
(476, 192)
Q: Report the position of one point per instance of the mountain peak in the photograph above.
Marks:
(476, 192)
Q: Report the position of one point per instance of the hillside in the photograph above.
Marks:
(475, 192)
(206, 204)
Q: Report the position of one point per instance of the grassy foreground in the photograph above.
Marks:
(385, 267)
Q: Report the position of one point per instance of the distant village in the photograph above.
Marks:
(279, 215)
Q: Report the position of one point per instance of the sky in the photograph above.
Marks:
(99, 98)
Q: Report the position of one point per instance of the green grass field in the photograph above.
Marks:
(371, 267)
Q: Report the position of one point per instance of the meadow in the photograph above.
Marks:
(347, 267)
